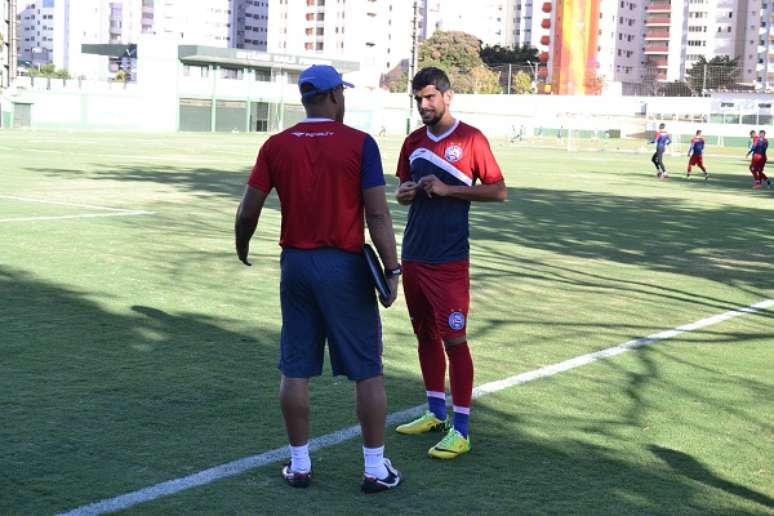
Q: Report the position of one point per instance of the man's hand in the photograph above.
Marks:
(406, 192)
(242, 251)
(432, 185)
(392, 282)
(246, 220)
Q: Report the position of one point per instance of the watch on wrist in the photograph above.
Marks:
(389, 273)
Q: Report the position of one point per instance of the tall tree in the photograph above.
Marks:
(458, 54)
(497, 55)
(719, 73)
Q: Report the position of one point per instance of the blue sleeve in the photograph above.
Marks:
(372, 173)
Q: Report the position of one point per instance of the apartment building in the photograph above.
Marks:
(680, 32)
(250, 24)
(35, 31)
(375, 33)
(7, 42)
(620, 43)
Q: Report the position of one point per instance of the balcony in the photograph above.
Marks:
(658, 63)
(656, 49)
(659, 7)
(653, 35)
(658, 21)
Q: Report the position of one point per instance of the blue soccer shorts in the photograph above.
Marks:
(328, 294)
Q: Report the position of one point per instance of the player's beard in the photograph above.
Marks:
(434, 118)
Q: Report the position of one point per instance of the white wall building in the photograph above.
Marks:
(679, 32)
(620, 46)
(491, 21)
(759, 44)
(375, 33)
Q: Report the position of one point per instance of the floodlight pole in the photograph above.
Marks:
(412, 64)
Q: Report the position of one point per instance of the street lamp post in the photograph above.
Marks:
(534, 68)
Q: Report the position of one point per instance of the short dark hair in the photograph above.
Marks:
(311, 100)
(431, 76)
(762, 131)
(698, 131)
(661, 125)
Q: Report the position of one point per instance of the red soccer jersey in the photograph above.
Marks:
(437, 229)
(320, 169)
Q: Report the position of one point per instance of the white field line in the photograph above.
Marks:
(239, 466)
(130, 157)
(62, 203)
(81, 216)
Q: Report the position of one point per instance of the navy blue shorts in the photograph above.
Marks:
(328, 294)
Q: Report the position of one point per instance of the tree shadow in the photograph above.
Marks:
(688, 466)
(96, 402)
(723, 244)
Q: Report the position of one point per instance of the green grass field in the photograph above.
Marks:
(136, 349)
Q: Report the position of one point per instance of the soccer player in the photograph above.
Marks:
(751, 143)
(759, 161)
(661, 140)
(439, 168)
(326, 174)
(696, 155)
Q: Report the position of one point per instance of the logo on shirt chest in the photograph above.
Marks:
(453, 153)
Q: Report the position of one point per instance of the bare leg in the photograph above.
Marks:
(294, 399)
(372, 410)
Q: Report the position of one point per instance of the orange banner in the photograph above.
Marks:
(574, 63)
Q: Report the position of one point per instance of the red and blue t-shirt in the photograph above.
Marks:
(437, 229)
(697, 147)
(320, 168)
(760, 146)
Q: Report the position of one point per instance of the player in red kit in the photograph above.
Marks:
(442, 168)
(758, 162)
(696, 155)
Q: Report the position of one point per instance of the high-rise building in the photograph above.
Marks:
(195, 23)
(78, 22)
(491, 21)
(35, 25)
(376, 33)
(7, 42)
(620, 43)
(759, 53)
(680, 32)
(250, 24)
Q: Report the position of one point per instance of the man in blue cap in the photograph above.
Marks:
(327, 175)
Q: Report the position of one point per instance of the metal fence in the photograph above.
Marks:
(651, 80)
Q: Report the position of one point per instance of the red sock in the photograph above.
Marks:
(460, 374)
(432, 361)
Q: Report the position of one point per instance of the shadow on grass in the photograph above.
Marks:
(98, 402)
(685, 465)
(724, 244)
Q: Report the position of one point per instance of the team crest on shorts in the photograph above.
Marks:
(456, 321)
(453, 153)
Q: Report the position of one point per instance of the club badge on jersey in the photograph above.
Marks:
(453, 153)
(456, 321)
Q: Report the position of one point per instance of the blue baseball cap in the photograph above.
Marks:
(323, 78)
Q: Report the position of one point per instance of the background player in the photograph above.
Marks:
(696, 155)
(759, 161)
(661, 140)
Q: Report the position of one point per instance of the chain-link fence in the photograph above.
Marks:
(652, 79)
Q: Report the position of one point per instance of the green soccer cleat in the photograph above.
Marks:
(427, 422)
(451, 446)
